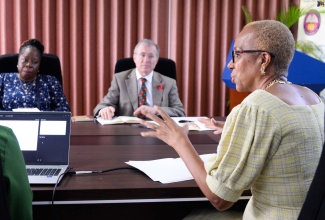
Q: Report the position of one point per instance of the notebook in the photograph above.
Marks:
(44, 139)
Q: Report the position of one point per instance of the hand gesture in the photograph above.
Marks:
(165, 129)
(144, 108)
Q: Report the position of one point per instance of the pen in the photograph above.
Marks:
(184, 121)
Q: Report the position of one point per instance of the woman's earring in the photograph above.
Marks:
(263, 72)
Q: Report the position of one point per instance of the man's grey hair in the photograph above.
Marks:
(147, 42)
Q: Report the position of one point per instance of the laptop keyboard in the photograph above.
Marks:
(43, 172)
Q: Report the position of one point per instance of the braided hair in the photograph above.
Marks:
(32, 43)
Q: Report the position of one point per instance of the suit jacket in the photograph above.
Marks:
(123, 94)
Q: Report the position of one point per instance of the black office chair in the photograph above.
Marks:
(314, 205)
(50, 65)
(4, 209)
(165, 66)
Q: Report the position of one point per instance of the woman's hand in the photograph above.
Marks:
(213, 124)
(144, 108)
(165, 129)
(168, 131)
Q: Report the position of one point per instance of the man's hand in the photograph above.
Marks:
(107, 113)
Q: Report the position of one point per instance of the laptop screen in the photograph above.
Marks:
(44, 137)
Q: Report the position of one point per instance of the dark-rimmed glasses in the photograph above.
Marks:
(234, 52)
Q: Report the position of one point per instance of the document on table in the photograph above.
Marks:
(167, 170)
(119, 120)
(25, 110)
(82, 118)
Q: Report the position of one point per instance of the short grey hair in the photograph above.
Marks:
(147, 42)
(276, 38)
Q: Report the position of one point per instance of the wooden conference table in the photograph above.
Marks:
(120, 194)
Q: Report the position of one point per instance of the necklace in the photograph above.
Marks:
(27, 86)
(276, 81)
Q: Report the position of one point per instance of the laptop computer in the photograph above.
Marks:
(44, 139)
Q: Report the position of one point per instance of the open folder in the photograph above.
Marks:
(119, 120)
(167, 170)
(192, 122)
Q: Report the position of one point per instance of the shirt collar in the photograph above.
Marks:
(148, 77)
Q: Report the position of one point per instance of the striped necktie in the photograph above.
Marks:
(142, 94)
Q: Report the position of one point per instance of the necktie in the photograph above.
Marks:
(142, 94)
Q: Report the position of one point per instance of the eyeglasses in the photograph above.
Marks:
(143, 55)
(236, 52)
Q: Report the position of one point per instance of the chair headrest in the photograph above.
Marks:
(165, 66)
(50, 65)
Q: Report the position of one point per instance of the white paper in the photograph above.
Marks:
(25, 110)
(118, 120)
(167, 170)
(193, 123)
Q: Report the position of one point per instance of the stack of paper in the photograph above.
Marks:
(168, 170)
(78, 118)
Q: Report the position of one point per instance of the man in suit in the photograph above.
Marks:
(122, 97)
